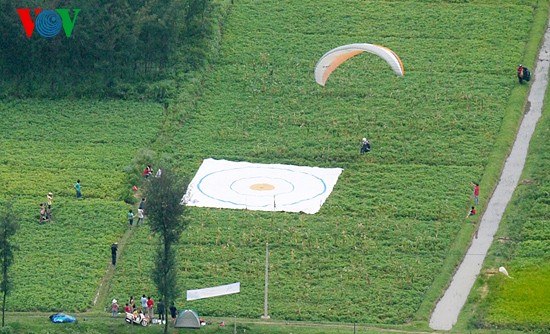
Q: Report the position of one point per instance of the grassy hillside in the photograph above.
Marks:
(47, 146)
(386, 241)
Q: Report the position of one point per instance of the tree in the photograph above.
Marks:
(167, 221)
(8, 228)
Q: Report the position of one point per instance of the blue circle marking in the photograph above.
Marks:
(199, 186)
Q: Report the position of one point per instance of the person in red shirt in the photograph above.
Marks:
(476, 192)
(150, 304)
(472, 212)
(127, 308)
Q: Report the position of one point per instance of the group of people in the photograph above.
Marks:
(140, 213)
(475, 194)
(146, 309)
(148, 171)
(46, 209)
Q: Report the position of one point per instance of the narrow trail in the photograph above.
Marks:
(101, 296)
(448, 308)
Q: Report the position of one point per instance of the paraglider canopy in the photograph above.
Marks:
(332, 59)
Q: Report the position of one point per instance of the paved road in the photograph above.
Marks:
(447, 309)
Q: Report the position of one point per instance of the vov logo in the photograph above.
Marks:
(47, 23)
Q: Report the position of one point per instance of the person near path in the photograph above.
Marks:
(476, 192)
(160, 310)
(140, 217)
(365, 146)
(150, 308)
(114, 307)
(132, 303)
(144, 304)
(114, 249)
(520, 73)
(78, 189)
(523, 74)
(127, 308)
(173, 312)
(142, 203)
(472, 212)
(131, 217)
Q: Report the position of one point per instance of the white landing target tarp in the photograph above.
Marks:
(264, 187)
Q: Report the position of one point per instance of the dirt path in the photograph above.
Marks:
(447, 309)
(102, 294)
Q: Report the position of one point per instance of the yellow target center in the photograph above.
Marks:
(262, 186)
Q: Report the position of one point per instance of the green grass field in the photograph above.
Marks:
(385, 243)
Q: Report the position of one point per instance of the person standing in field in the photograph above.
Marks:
(49, 197)
(140, 217)
(132, 304)
(142, 203)
(144, 304)
(114, 307)
(78, 189)
(114, 249)
(150, 308)
(173, 312)
(160, 310)
(476, 192)
(131, 217)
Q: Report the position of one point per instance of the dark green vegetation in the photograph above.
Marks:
(167, 221)
(123, 49)
(385, 243)
(8, 228)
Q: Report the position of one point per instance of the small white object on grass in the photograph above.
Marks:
(504, 271)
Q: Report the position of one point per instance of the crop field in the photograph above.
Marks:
(383, 246)
(380, 242)
(47, 146)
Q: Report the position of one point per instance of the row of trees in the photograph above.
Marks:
(113, 43)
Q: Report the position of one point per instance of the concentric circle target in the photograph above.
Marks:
(261, 187)
(48, 23)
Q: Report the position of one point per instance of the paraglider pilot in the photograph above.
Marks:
(365, 146)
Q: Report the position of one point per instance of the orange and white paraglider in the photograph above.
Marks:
(332, 59)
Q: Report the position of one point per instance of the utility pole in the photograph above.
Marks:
(266, 316)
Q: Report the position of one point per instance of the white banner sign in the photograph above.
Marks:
(216, 291)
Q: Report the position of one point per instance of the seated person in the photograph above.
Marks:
(472, 212)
